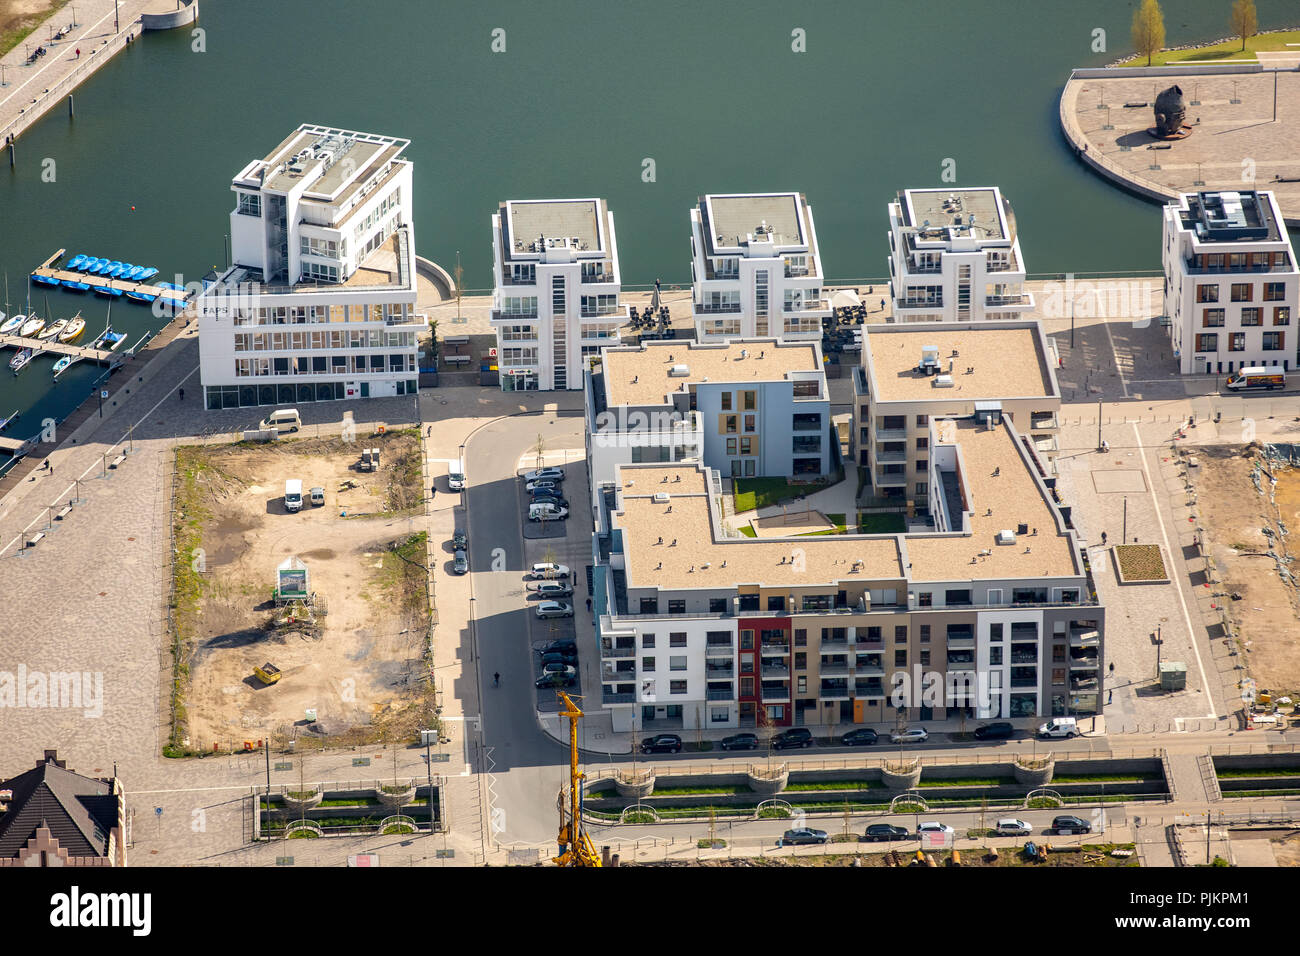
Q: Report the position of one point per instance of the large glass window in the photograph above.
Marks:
(250, 204)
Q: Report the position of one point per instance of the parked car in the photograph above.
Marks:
(317, 496)
(554, 609)
(740, 742)
(561, 503)
(542, 474)
(912, 735)
(460, 563)
(546, 510)
(560, 667)
(802, 835)
(860, 737)
(795, 737)
(1059, 727)
(553, 680)
(885, 832)
(661, 744)
(548, 570)
(1013, 827)
(542, 484)
(933, 827)
(555, 657)
(459, 540)
(1071, 824)
(552, 589)
(998, 731)
(567, 648)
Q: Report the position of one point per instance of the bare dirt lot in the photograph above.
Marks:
(1234, 515)
(359, 664)
(18, 18)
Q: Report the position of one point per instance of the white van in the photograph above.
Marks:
(1257, 376)
(282, 420)
(456, 475)
(1059, 727)
(293, 494)
(546, 511)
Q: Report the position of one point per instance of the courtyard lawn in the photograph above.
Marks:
(1231, 50)
(752, 493)
(889, 523)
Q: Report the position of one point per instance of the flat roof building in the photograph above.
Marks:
(556, 286)
(910, 375)
(319, 301)
(53, 816)
(747, 408)
(700, 627)
(756, 268)
(954, 256)
(1232, 286)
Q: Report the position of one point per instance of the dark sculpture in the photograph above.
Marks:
(1170, 113)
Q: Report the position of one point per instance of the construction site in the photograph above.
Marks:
(302, 616)
(1248, 501)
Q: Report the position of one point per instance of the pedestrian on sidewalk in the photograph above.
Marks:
(588, 604)
(429, 433)
(78, 53)
(182, 394)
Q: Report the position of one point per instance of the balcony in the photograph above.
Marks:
(1084, 663)
(834, 690)
(719, 670)
(700, 308)
(775, 650)
(718, 694)
(1022, 682)
(776, 693)
(618, 652)
(890, 457)
(776, 671)
(808, 305)
(1043, 421)
(1083, 638)
(834, 670)
(963, 642)
(868, 689)
(891, 433)
(869, 670)
(1023, 658)
(840, 641)
(1046, 444)
(1080, 682)
(928, 304)
(607, 698)
(889, 479)
(998, 301)
(499, 316)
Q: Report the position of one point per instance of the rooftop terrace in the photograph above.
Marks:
(949, 212)
(731, 220)
(330, 162)
(1007, 363)
(573, 221)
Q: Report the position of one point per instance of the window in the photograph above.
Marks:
(775, 602)
(1207, 293)
(747, 446)
(800, 637)
(647, 641)
(677, 687)
(1282, 315)
(801, 684)
(925, 658)
(749, 400)
(1207, 342)
(729, 424)
(1274, 341)
(801, 660)
(900, 657)
(647, 665)
(956, 596)
(995, 596)
(677, 607)
(731, 446)
(1058, 652)
(519, 305)
(717, 605)
(923, 464)
(1212, 318)
(925, 599)
(922, 421)
(922, 444)
(747, 640)
(1274, 291)
(1252, 316)
(726, 401)
(921, 488)
(925, 633)
(1241, 292)
(995, 656)
(1237, 342)
(250, 205)
(995, 631)
(749, 424)
(677, 662)
(676, 638)
(1058, 675)
(900, 633)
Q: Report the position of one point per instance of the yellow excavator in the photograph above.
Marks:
(575, 846)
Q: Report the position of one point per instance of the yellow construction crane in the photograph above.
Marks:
(575, 846)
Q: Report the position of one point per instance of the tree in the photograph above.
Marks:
(1243, 20)
(1149, 29)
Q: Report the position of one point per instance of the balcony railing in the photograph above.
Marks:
(776, 672)
(807, 305)
(499, 316)
(996, 300)
(834, 670)
(719, 670)
(1024, 682)
(834, 692)
(608, 673)
(891, 434)
(890, 457)
(779, 692)
(887, 480)
(1083, 663)
(701, 308)
(618, 652)
(781, 650)
(869, 670)
(869, 689)
(608, 698)
(920, 303)
(721, 695)
(1044, 421)
(1024, 658)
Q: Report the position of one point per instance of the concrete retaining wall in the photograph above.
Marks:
(1121, 72)
(187, 12)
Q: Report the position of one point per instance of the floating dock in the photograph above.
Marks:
(171, 296)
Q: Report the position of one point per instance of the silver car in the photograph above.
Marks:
(548, 569)
(460, 563)
(1013, 827)
(554, 609)
(552, 589)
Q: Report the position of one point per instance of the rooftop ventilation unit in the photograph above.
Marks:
(661, 498)
(942, 381)
(929, 363)
(679, 371)
(1006, 536)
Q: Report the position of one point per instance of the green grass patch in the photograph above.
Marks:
(967, 782)
(1231, 50)
(1230, 773)
(1106, 778)
(729, 790)
(888, 523)
(1232, 794)
(815, 786)
(748, 532)
(751, 493)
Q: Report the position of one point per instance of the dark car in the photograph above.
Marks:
(661, 744)
(567, 649)
(802, 835)
(998, 731)
(555, 657)
(459, 540)
(1069, 824)
(884, 832)
(861, 737)
(740, 742)
(797, 737)
(560, 679)
(561, 502)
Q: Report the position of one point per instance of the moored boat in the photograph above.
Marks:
(76, 325)
(140, 296)
(63, 362)
(8, 420)
(53, 329)
(12, 325)
(32, 326)
(19, 361)
(111, 340)
(106, 290)
(44, 280)
(76, 262)
(148, 274)
(74, 285)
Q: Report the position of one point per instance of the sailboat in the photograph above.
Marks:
(76, 325)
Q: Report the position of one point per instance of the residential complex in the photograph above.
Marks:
(746, 408)
(555, 298)
(756, 269)
(53, 816)
(954, 256)
(319, 301)
(908, 377)
(1232, 286)
(993, 613)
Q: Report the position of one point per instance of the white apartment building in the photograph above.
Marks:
(756, 269)
(318, 303)
(1231, 283)
(555, 299)
(954, 256)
